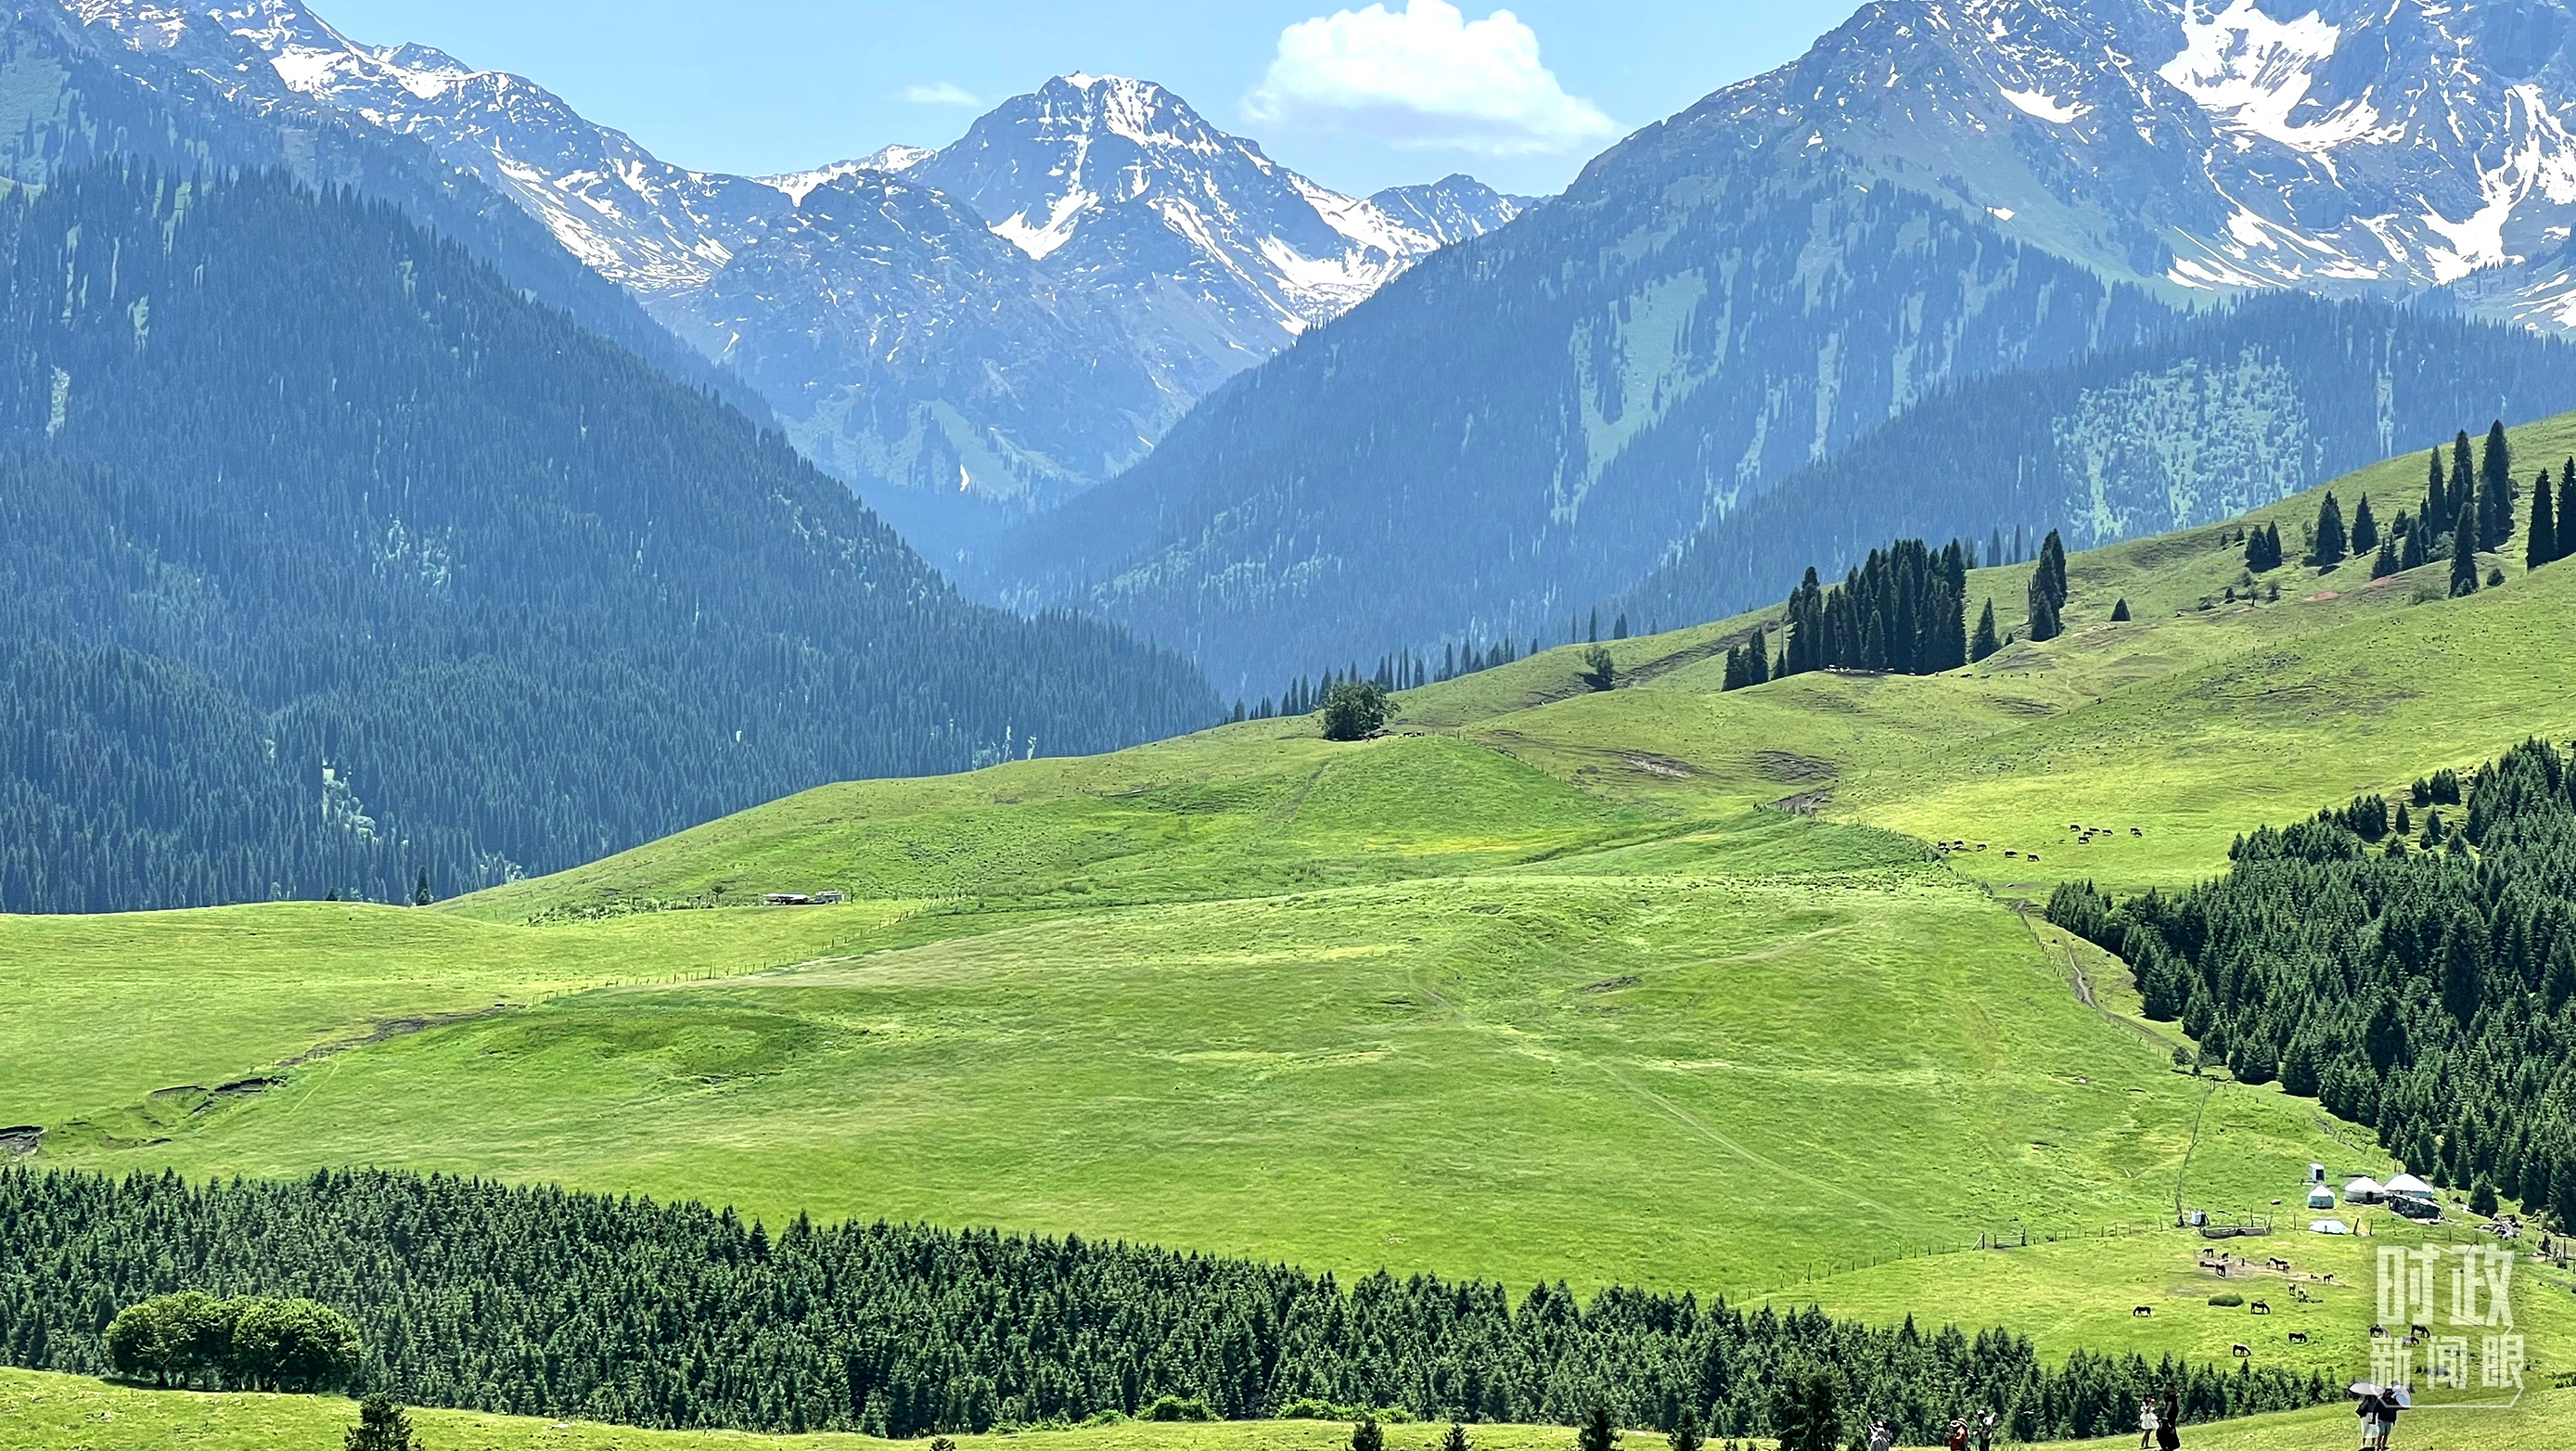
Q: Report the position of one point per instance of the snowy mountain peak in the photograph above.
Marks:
(888, 159)
(2335, 146)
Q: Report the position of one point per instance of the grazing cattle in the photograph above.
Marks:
(2133, 831)
(2420, 1332)
(2378, 1332)
(2142, 1312)
(2298, 1337)
(2244, 1350)
(2034, 856)
(2012, 853)
(2261, 1308)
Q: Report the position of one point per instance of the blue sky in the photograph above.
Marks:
(1357, 96)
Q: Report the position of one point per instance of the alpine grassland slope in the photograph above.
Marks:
(73, 1413)
(1544, 983)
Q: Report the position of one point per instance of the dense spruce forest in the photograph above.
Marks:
(333, 560)
(2411, 966)
(537, 1301)
(2216, 416)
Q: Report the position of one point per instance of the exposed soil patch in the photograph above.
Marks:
(2024, 706)
(1612, 984)
(387, 1029)
(21, 1141)
(1790, 768)
(1805, 803)
(1664, 766)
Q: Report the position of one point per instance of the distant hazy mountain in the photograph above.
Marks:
(333, 559)
(1942, 190)
(1163, 256)
(1155, 247)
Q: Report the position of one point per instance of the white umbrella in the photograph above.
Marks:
(2404, 1400)
(2365, 1387)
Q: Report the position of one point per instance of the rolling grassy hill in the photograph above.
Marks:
(1538, 985)
(70, 1413)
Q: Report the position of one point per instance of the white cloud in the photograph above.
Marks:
(942, 94)
(1424, 77)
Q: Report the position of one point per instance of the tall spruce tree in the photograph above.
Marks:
(2542, 547)
(2464, 549)
(2567, 509)
(1985, 643)
(2326, 547)
(2495, 489)
(2464, 478)
(2365, 529)
(2436, 492)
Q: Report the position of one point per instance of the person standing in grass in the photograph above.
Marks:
(1982, 1436)
(1881, 1438)
(2147, 1419)
(1958, 1434)
(2169, 1425)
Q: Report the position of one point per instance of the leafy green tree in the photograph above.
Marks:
(1985, 643)
(1600, 671)
(1368, 1435)
(1354, 710)
(171, 1339)
(290, 1345)
(382, 1426)
(2464, 551)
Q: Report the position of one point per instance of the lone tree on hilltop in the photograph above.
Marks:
(382, 1426)
(1355, 710)
(1985, 643)
(2120, 611)
(2326, 547)
(1600, 671)
(2365, 528)
(2464, 551)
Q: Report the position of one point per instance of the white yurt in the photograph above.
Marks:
(2407, 1186)
(2321, 1197)
(2364, 1190)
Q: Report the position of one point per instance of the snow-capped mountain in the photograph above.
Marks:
(2332, 146)
(654, 228)
(1941, 192)
(1175, 253)
(1120, 181)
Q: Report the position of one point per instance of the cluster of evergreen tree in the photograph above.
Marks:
(2466, 508)
(2015, 446)
(1903, 610)
(2424, 992)
(333, 559)
(2553, 518)
(536, 1301)
(2047, 591)
(2263, 548)
(1403, 670)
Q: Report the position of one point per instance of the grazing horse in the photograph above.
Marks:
(2243, 1350)
(2298, 1337)
(2260, 1308)
(2142, 1312)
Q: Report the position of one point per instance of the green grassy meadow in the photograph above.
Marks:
(1542, 984)
(71, 1413)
